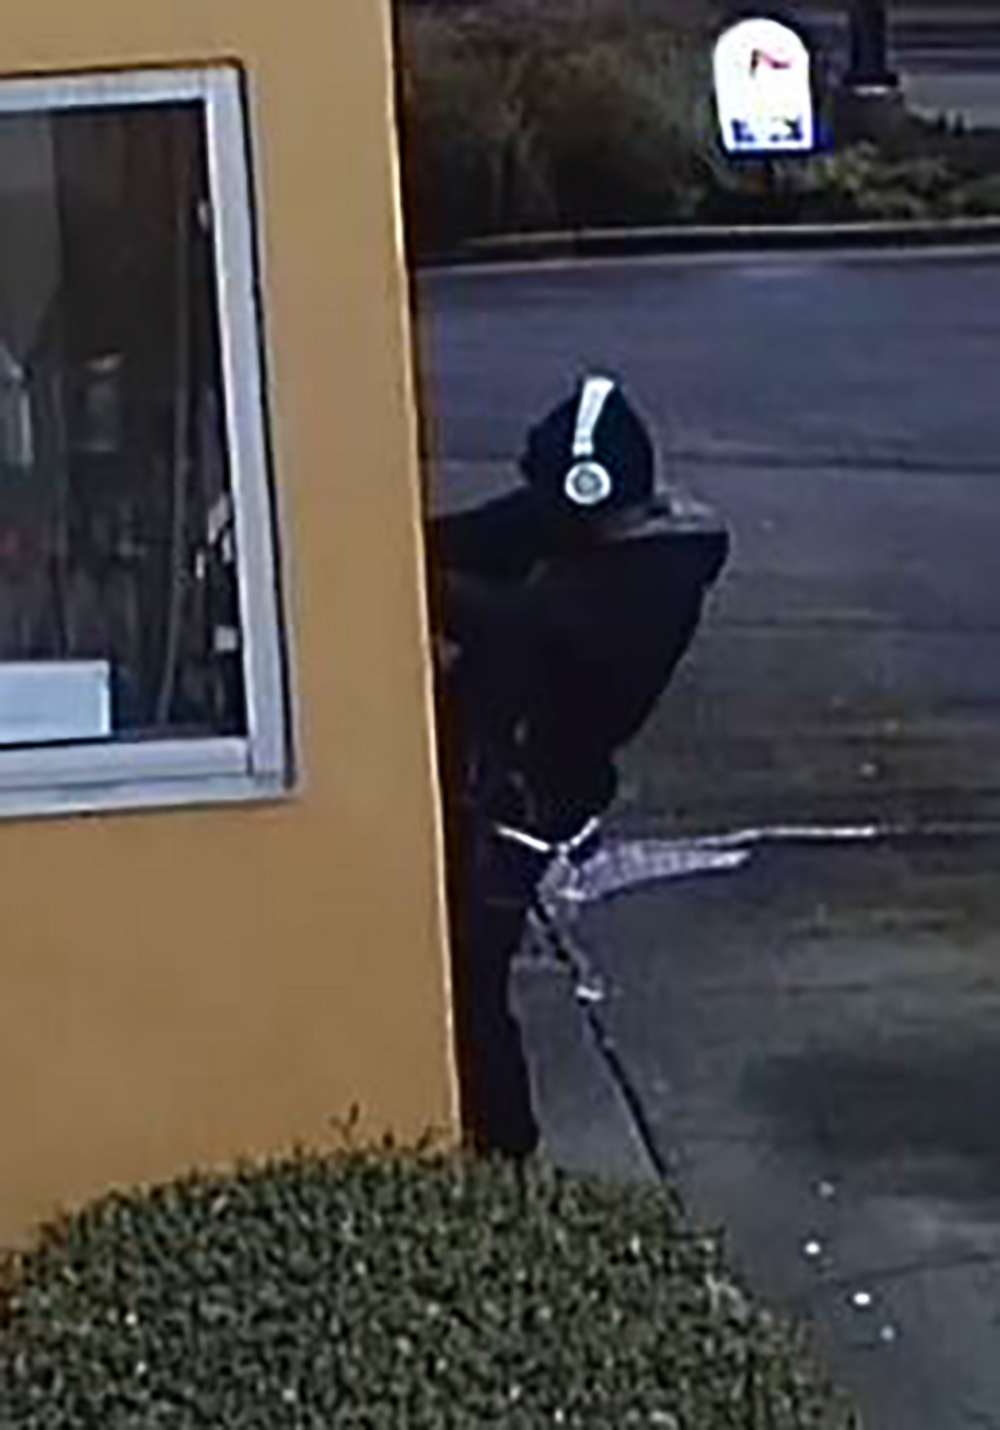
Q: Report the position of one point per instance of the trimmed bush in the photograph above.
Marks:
(384, 1289)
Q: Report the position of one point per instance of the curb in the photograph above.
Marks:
(589, 1113)
(606, 243)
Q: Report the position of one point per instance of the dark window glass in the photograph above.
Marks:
(118, 584)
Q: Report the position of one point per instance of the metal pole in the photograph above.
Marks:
(869, 46)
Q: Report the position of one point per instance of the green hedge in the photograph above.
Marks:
(386, 1289)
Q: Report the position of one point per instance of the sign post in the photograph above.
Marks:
(870, 100)
(869, 65)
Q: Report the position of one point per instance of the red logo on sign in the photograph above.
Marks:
(761, 57)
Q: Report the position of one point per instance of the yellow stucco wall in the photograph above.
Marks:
(180, 987)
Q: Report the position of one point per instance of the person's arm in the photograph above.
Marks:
(475, 613)
(700, 542)
(497, 541)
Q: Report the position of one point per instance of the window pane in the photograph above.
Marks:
(117, 556)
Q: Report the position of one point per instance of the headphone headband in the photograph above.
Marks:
(588, 483)
(595, 393)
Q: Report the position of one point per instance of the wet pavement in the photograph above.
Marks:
(813, 1037)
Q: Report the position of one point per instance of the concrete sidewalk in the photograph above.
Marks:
(810, 1045)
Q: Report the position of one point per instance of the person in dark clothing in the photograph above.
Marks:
(566, 607)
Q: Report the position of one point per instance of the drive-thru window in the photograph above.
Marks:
(141, 656)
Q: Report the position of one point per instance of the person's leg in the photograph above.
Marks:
(570, 781)
(488, 923)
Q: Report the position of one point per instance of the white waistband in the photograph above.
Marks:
(548, 846)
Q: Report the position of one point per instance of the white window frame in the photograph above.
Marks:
(117, 774)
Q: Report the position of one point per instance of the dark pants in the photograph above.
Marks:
(549, 786)
(495, 881)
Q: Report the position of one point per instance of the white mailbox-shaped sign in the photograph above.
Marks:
(763, 89)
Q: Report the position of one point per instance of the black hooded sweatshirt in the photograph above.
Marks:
(569, 620)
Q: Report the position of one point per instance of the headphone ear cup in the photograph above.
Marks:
(587, 484)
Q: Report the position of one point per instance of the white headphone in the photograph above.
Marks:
(588, 483)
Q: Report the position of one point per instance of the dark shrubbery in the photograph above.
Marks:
(512, 122)
(523, 116)
(468, 160)
(617, 133)
(861, 183)
(976, 197)
(383, 1289)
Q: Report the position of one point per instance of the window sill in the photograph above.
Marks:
(95, 778)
